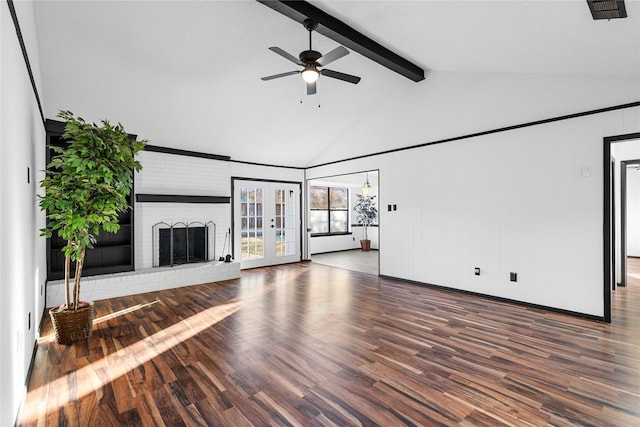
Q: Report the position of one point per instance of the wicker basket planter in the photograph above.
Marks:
(72, 326)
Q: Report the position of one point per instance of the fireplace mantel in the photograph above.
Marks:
(179, 198)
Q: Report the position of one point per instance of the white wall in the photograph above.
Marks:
(633, 213)
(342, 242)
(22, 256)
(245, 170)
(507, 202)
(171, 174)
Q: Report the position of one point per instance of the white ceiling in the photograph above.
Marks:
(186, 74)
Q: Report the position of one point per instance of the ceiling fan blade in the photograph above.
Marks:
(340, 76)
(336, 53)
(311, 88)
(277, 76)
(285, 55)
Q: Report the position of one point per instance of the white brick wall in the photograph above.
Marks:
(180, 175)
(171, 174)
(147, 280)
(177, 175)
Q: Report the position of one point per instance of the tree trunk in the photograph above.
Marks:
(67, 268)
(76, 281)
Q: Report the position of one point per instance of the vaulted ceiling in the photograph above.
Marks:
(186, 74)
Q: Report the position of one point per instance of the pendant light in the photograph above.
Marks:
(367, 189)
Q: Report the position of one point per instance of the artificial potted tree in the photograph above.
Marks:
(86, 188)
(366, 214)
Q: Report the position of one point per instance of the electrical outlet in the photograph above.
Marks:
(477, 271)
(513, 276)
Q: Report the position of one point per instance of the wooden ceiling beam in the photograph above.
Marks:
(347, 36)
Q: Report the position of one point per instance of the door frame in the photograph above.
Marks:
(337, 177)
(608, 201)
(233, 214)
(623, 218)
(614, 214)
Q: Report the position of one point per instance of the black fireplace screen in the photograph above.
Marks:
(183, 245)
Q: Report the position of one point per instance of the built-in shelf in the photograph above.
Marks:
(112, 253)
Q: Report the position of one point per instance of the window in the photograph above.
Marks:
(329, 210)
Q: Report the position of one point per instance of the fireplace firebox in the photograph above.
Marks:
(183, 243)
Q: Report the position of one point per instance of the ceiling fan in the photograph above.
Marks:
(311, 60)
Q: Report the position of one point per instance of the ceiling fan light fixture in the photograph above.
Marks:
(310, 74)
(310, 60)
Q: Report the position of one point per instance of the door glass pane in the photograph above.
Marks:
(285, 209)
(252, 232)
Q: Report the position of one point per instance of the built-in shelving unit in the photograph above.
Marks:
(112, 253)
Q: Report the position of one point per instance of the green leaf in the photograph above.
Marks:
(86, 185)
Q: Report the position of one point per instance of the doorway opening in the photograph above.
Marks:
(617, 150)
(334, 232)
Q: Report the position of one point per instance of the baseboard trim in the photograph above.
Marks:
(343, 250)
(501, 299)
(28, 378)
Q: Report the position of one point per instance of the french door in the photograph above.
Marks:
(267, 223)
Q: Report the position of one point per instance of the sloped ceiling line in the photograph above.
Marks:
(342, 33)
(23, 47)
(487, 132)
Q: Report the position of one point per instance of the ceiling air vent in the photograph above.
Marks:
(607, 9)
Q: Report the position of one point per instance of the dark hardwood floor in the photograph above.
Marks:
(311, 345)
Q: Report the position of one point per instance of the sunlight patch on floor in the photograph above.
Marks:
(119, 363)
(51, 337)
